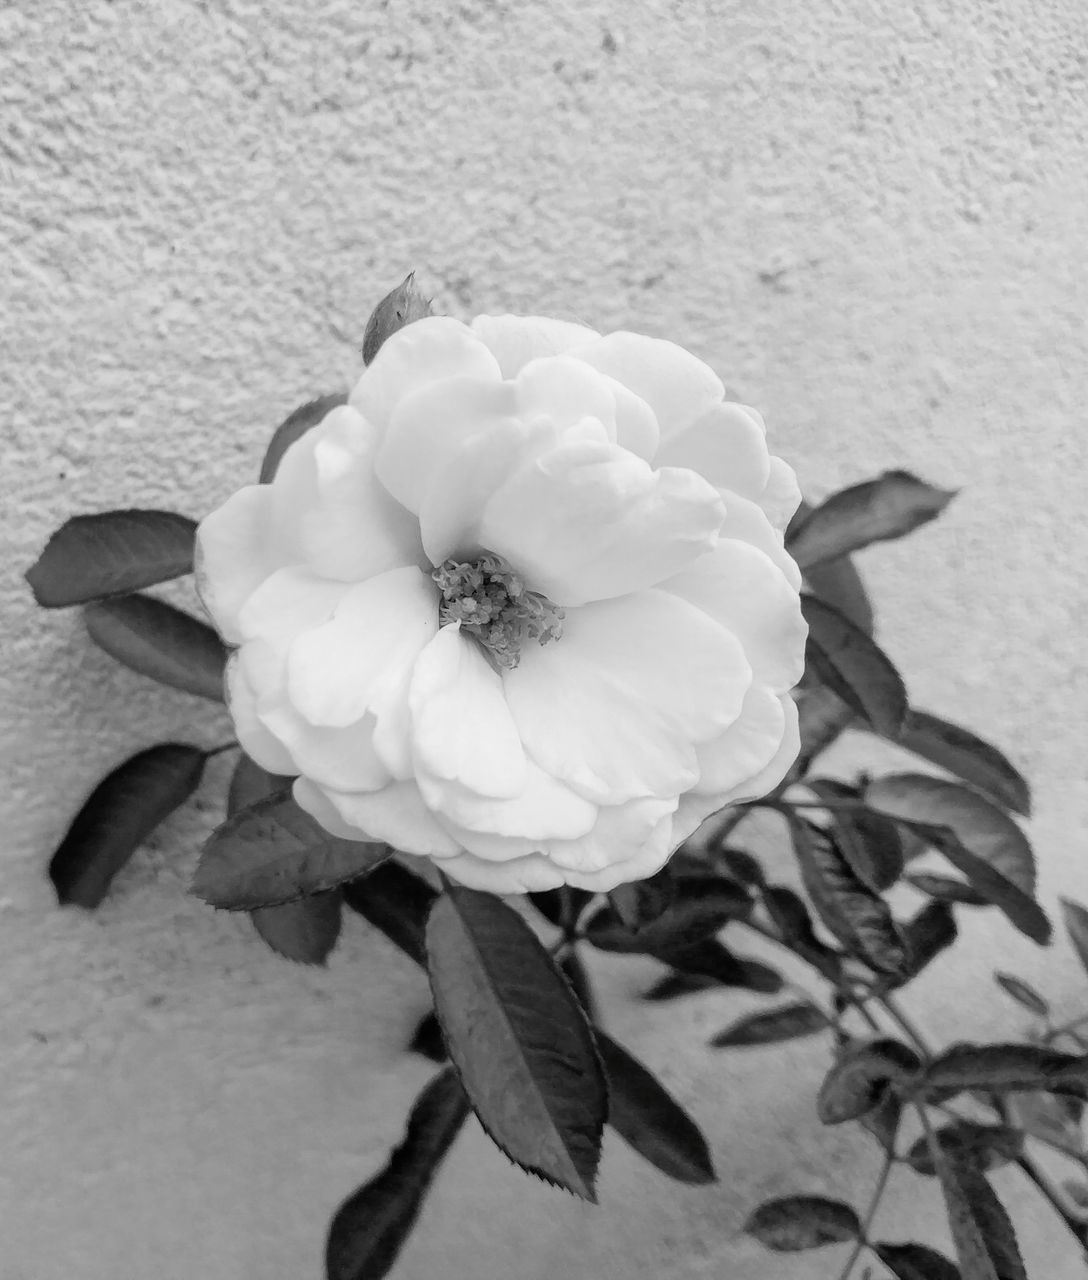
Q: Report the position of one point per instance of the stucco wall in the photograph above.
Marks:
(867, 214)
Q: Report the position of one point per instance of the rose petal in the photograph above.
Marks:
(256, 740)
(288, 603)
(515, 340)
(530, 873)
(645, 860)
(615, 707)
(676, 385)
(318, 805)
(726, 444)
(425, 351)
(619, 835)
(782, 496)
(357, 661)
(636, 424)
(343, 759)
(462, 730)
(746, 748)
(772, 774)
(744, 591)
(396, 814)
(589, 521)
(747, 522)
(495, 828)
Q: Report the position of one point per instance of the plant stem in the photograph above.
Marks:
(866, 1226)
(218, 751)
(891, 1007)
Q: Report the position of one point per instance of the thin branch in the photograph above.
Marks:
(874, 1204)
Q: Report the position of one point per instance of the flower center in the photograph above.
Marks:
(492, 604)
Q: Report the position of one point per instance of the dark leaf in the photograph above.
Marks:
(861, 1078)
(118, 816)
(650, 1120)
(294, 427)
(399, 307)
(869, 842)
(274, 852)
(369, 1229)
(980, 840)
(837, 583)
(575, 973)
(915, 1262)
(858, 917)
(561, 906)
(1076, 925)
(743, 867)
(427, 1039)
(250, 783)
(305, 930)
(989, 1146)
(710, 959)
(802, 1222)
(852, 666)
(981, 1230)
(676, 984)
(883, 1121)
(639, 904)
(790, 1022)
(822, 716)
(791, 917)
(521, 1043)
(160, 641)
(1001, 1068)
(396, 901)
(890, 506)
(927, 933)
(945, 888)
(111, 554)
(1052, 1118)
(698, 909)
(1023, 993)
(959, 751)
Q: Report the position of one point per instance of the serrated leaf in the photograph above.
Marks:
(396, 901)
(650, 1120)
(111, 554)
(794, 1223)
(1002, 1068)
(915, 1262)
(791, 918)
(869, 842)
(989, 1146)
(1023, 993)
(250, 783)
(979, 839)
(1076, 925)
(858, 917)
(159, 641)
(274, 852)
(572, 968)
(521, 1042)
(854, 667)
(399, 307)
(946, 888)
(838, 583)
(698, 909)
(963, 753)
(305, 930)
(927, 933)
(892, 505)
(369, 1229)
(294, 427)
(710, 959)
(983, 1235)
(790, 1022)
(861, 1078)
(118, 816)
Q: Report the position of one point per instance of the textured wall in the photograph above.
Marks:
(867, 214)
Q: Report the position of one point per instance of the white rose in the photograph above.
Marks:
(521, 606)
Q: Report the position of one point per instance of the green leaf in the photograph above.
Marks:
(396, 901)
(561, 906)
(742, 867)
(883, 1120)
(1076, 925)
(1023, 993)
(946, 888)
(427, 1039)
(989, 1146)
(369, 1229)
(294, 427)
(959, 751)
(160, 641)
(111, 554)
(650, 1120)
(794, 1223)
(274, 852)
(790, 1022)
(518, 1037)
(1003, 1068)
(250, 783)
(858, 917)
(979, 839)
(915, 1262)
(575, 973)
(837, 583)
(822, 717)
(791, 918)
(399, 307)
(711, 960)
(878, 510)
(852, 666)
(305, 930)
(869, 842)
(118, 816)
(698, 909)
(641, 903)
(927, 933)
(861, 1078)
(984, 1238)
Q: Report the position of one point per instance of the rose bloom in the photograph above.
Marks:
(521, 606)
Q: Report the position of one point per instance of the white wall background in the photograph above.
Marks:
(869, 215)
